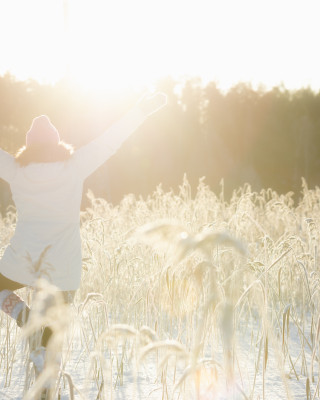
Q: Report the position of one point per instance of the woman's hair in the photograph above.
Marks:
(44, 153)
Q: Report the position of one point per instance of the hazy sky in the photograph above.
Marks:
(117, 43)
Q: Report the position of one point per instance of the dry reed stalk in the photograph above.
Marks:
(181, 295)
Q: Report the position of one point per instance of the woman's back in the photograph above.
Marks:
(46, 242)
(46, 181)
(47, 192)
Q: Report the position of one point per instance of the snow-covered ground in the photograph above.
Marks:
(126, 379)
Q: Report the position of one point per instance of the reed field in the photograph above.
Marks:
(184, 295)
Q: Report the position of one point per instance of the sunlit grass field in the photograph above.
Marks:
(184, 295)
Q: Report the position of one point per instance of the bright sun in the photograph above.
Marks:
(113, 44)
(116, 44)
(123, 43)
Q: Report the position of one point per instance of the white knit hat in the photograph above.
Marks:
(42, 132)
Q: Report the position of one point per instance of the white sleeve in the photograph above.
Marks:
(8, 166)
(91, 156)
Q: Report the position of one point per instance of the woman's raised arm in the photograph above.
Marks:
(8, 166)
(91, 156)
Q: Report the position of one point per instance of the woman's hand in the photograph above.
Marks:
(150, 104)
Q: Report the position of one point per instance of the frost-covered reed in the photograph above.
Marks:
(218, 296)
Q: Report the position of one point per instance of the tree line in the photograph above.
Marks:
(268, 138)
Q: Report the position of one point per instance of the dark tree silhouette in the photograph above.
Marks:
(266, 138)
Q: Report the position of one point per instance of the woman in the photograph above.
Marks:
(46, 180)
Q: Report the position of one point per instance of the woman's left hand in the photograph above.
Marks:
(150, 104)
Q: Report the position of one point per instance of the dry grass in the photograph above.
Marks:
(211, 292)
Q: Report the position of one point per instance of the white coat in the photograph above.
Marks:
(47, 196)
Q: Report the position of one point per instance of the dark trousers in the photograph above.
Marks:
(7, 284)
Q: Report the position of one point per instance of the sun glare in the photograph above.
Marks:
(117, 44)
(113, 44)
(120, 43)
